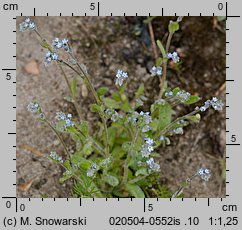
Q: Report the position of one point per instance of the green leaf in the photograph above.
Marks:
(126, 107)
(135, 191)
(96, 108)
(123, 87)
(159, 61)
(87, 148)
(118, 152)
(140, 91)
(176, 90)
(141, 171)
(111, 180)
(126, 146)
(112, 131)
(195, 118)
(73, 130)
(116, 96)
(65, 177)
(83, 126)
(192, 99)
(111, 103)
(173, 27)
(161, 47)
(154, 124)
(165, 112)
(67, 164)
(102, 91)
(73, 87)
(80, 161)
(45, 45)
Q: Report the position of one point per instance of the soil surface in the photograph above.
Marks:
(105, 44)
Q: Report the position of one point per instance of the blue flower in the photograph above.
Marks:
(174, 56)
(169, 94)
(148, 147)
(120, 77)
(214, 102)
(204, 174)
(56, 157)
(33, 107)
(92, 169)
(217, 104)
(27, 24)
(49, 57)
(153, 167)
(58, 44)
(178, 130)
(156, 71)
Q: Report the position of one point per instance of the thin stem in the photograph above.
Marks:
(126, 163)
(168, 127)
(182, 187)
(38, 34)
(98, 101)
(73, 96)
(152, 36)
(65, 63)
(88, 82)
(163, 79)
(60, 139)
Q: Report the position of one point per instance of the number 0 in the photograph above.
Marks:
(220, 6)
(8, 204)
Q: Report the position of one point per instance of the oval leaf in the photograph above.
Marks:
(135, 191)
(111, 180)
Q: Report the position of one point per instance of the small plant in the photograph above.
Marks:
(118, 159)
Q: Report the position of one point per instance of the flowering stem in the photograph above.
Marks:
(60, 139)
(65, 77)
(74, 101)
(184, 185)
(89, 84)
(126, 163)
(168, 127)
(163, 79)
(86, 76)
(98, 101)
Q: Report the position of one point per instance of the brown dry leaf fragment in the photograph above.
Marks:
(32, 150)
(84, 90)
(26, 186)
(32, 68)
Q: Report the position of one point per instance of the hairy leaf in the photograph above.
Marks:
(102, 91)
(161, 47)
(135, 191)
(192, 99)
(111, 180)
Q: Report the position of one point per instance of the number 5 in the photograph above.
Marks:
(92, 6)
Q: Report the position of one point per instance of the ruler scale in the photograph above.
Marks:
(111, 213)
